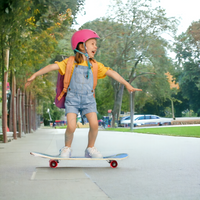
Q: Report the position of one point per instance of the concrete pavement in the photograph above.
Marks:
(158, 168)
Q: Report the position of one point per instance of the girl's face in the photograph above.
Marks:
(91, 46)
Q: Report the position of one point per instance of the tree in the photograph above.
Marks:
(174, 88)
(187, 48)
(132, 45)
(31, 31)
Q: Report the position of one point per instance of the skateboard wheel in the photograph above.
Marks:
(53, 163)
(113, 163)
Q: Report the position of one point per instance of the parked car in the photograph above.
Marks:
(122, 119)
(125, 121)
(145, 120)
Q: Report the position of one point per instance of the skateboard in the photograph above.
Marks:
(54, 160)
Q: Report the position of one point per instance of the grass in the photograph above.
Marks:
(1, 137)
(185, 131)
(61, 127)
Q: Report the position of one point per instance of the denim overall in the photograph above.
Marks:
(80, 92)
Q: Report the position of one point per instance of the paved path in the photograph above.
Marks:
(158, 168)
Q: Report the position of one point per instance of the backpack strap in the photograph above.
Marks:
(95, 72)
(66, 81)
(68, 70)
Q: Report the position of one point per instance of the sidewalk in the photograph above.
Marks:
(25, 177)
(158, 168)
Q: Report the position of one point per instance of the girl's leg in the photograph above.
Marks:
(93, 121)
(71, 127)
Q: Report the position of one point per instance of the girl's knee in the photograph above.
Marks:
(71, 123)
(71, 128)
(94, 126)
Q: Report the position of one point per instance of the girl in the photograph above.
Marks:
(80, 91)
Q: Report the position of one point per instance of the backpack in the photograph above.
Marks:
(64, 80)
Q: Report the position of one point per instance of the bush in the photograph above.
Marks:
(183, 122)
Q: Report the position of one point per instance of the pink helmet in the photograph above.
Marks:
(82, 36)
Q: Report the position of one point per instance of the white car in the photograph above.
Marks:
(147, 120)
(125, 121)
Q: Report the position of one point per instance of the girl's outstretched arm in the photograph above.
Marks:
(42, 71)
(117, 77)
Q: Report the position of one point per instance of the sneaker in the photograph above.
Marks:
(65, 152)
(92, 152)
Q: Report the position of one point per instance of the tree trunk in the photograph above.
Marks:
(173, 116)
(10, 115)
(19, 113)
(117, 104)
(14, 121)
(23, 112)
(30, 113)
(34, 114)
(4, 95)
(38, 115)
(4, 107)
(26, 112)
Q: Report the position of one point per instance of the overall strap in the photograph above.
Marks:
(95, 72)
(66, 81)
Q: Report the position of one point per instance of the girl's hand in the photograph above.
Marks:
(29, 81)
(132, 89)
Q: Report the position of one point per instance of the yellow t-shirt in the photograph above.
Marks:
(101, 68)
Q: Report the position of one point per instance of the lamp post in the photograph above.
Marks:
(132, 113)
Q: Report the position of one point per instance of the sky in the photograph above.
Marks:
(186, 11)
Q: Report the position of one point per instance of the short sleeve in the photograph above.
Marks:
(62, 65)
(102, 70)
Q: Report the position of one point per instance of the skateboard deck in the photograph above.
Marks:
(54, 160)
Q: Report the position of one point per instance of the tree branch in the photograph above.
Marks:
(142, 74)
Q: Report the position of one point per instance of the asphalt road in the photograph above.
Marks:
(158, 168)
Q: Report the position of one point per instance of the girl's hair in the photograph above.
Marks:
(79, 56)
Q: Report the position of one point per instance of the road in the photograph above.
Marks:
(158, 167)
